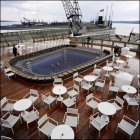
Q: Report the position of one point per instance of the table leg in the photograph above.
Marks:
(105, 117)
(60, 98)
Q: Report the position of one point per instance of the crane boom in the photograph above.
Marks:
(73, 14)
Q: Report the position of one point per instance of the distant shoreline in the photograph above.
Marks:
(121, 22)
(8, 21)
(128, 22)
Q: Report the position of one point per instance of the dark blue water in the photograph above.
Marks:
(66, 60)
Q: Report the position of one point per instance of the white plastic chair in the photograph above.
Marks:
(32, 95)
(6, 138)
(86, 86)
(96, 73)
(9, 73)
(97, 69)
(31, 116)
(113, 88)
(92, 101)
(73, 91)
(48, 99)
(68, 102)
(132, 101)
(71, 117)
(7, 104)
(57, 81)
(97, 122)
(46, 125)
(109, 63)
(100, 83)
(2, 66)
(77, 78)
(127, 125)
(118, 103)
(9, 120)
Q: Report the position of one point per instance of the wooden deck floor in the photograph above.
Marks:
(16, 88)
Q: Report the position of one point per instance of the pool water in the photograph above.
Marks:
(56, 61)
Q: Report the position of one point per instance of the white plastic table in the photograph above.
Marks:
(62, 132)
(59, 90)
(119, 62)
(22, 105)
(89, 78)
(129, 89)
(107, 68)
(107, 109)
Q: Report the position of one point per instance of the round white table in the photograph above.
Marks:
(107, 109)
(22, 105)
(128, 56)
(62, 132)
(107, 68)
(59, 90)
(119, 61)
(89, 78)
(129, 89)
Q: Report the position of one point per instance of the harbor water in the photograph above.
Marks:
(121, 28)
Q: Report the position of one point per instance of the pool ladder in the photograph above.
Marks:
(57, 67)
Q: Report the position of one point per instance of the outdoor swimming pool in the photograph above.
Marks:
(56, 61)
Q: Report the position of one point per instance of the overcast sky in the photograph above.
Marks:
(54, 11)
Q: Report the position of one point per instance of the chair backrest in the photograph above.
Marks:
(33, 91)
(73, 98)
(7, 70)
(111, 83)
(72, 110)
(76, 87)
(109, 62)
(96, 99)
(57, 81)
(43, 96)
(5, 122)
(101, 81)
(42, 120)
(95, 66)
(119, 100)
(88, 97)
(6, 138)
(32, 115)
(3, 101)
(75, 74)
(97, 71)
(136, 124)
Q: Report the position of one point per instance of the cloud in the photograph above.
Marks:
(53, 10)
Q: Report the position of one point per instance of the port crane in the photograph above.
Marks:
(131, 33)
(74, 16)
(27, 22)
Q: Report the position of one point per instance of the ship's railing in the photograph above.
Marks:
(105, 42)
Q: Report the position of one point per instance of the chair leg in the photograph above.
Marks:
(99, 133)
(116, 129)
(39, 134)
(127, 107)
(2, 129)
(12, 130)
(27, 126)
(89, 125)
(20, 119)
